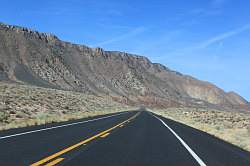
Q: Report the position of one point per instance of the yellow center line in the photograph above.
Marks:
(104, 135)
(81, 143)
(54, 162)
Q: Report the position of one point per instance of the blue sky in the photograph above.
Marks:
(208, 39)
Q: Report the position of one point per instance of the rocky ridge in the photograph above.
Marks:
(41, 59)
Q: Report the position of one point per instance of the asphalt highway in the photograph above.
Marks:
(136, 138)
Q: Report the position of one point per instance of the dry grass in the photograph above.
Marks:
(230, 126)
(22, 105)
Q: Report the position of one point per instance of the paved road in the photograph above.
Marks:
(136, 138)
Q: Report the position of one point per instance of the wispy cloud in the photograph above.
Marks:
(124, 36)
(217, 41)
(224, 36)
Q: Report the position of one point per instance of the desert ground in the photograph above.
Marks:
(23, 105)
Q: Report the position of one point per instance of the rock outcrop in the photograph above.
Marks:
(41, 59)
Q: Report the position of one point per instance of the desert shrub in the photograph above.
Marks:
(228, 124)
(248, 129)
(3, 116)
(41, 116)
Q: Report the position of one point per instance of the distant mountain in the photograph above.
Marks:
(41, 59)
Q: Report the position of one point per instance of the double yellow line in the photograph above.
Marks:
(49, 158)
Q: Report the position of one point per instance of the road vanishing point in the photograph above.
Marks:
(133, 138)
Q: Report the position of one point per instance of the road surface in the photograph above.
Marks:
(137, 138)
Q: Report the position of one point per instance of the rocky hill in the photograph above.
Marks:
(41, 59)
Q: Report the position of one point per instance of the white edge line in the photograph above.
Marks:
(195, 156)
(55, 127)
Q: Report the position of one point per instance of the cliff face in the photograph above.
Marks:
(41, 59)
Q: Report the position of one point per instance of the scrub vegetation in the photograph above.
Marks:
(232, 127)
(23, 105)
